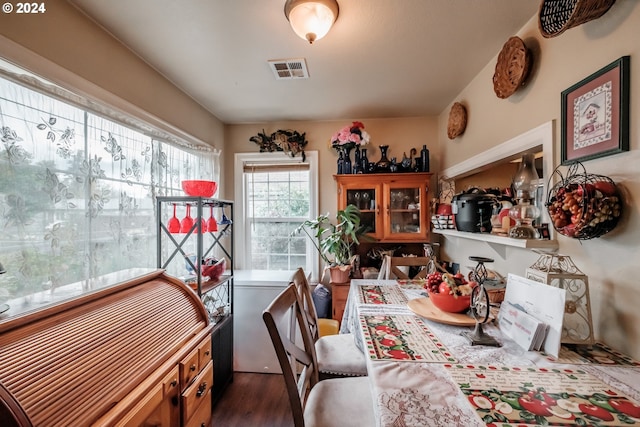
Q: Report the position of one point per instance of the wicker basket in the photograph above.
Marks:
(557, 16)
(496, 296)
(512, 67)
(457, 120)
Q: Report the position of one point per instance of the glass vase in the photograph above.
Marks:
(346, 166)
(364, 161)
(383, 164)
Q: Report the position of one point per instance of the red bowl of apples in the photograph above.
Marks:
(199, 188)
(451, 303)
(441, 288)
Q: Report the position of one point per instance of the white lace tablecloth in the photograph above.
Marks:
(424, 393)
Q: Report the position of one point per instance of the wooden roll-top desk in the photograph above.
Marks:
(134, 354)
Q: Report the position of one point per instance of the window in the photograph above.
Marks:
(77, 193)
(276, 194)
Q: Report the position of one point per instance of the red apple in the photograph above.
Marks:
(444, 288)
(626, 407)
(596, 411)
(605, 187)
(398, 354)
(535, 406)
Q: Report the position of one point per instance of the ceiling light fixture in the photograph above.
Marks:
(311, 19)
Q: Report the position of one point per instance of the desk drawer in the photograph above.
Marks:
(204, 352)
(189, 368)
(202, 416)
(197, 393)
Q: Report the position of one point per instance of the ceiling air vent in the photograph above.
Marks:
(289, 69)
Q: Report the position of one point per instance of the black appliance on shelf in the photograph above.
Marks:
(472, 210)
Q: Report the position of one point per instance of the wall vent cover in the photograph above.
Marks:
(289, 69)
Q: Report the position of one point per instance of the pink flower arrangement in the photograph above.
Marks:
(350, 136)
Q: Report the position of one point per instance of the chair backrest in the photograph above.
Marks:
(409, 261)
(292, 353)
(308, 307)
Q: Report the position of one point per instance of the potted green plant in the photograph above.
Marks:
(335, 242)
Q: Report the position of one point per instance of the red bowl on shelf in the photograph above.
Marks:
(199, 188)
(214, 271)
(450, 304)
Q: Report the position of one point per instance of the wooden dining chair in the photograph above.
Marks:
(338, 355)
(333, 402)
(394, 264)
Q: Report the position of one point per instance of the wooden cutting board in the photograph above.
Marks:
(425, 308)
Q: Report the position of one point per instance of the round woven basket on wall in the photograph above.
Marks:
(512, 67)
(557, 16)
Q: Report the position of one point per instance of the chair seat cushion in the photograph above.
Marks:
(344, 402)
(339, 355)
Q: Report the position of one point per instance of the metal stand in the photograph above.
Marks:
(480, 306)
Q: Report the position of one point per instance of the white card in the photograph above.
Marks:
(544, 302)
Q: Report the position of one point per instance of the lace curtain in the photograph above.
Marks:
(77, 191)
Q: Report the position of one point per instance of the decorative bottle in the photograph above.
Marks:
(364, 161)
(356, 161)
(383, 164)
(424, 159)
(346, 167)
(340, 162)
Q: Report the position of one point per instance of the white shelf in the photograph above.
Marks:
(506, 241)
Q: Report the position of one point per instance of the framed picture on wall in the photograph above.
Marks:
(595, 114)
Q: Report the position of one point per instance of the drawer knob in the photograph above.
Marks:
(174, 382)
(192, 367)
(202, 389)
(207, 352)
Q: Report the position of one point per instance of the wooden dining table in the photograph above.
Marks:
(423, 372)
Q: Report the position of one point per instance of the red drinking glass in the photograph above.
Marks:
(212, 224)
(187, 222)
(174, 223)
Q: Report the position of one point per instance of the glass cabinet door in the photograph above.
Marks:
(405, 210)
(365, 199)
(394, 206)
(405, 218)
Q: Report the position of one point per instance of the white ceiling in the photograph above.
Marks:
(382, 58)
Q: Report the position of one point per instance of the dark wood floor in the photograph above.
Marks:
(253, 400)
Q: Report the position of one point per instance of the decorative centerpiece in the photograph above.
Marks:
(450, 292)
(344, 140)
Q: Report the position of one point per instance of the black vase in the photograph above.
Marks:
(340, 162)
(364, 161)
(346, 166)
(356, 161)
(383, 164)
(424, 159)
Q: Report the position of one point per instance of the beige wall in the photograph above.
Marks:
(68, 39)
(610, 261)
(400, 134)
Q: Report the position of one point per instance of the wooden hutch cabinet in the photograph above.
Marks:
(395, 206)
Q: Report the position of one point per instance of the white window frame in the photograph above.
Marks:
(243, 244)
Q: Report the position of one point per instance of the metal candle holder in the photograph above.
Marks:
(480, 307)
